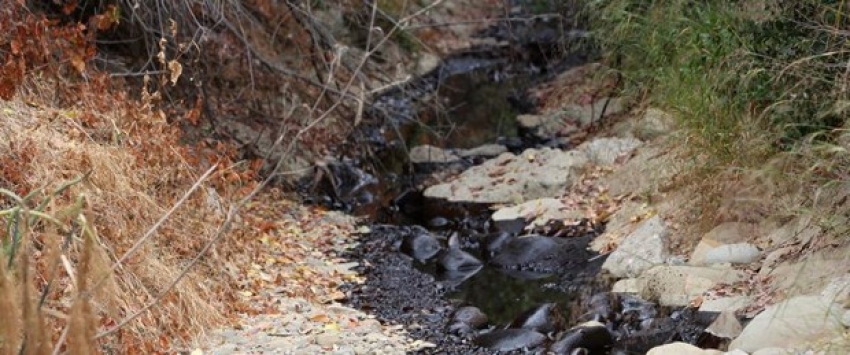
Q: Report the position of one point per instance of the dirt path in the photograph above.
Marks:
(289, 285)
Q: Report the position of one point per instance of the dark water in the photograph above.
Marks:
(470, 110)
(502, 296)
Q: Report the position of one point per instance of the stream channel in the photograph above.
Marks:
(443, 270)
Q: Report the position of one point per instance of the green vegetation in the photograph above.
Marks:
(747, 79)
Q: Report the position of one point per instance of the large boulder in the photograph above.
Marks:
(640, 250)
(791, 323)
(509, 178)
(677, 286)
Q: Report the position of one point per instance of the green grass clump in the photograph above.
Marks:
(746, 79)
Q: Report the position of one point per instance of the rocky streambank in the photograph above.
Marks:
(657, 287)
(568, 236)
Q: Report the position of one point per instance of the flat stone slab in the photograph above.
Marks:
(607, 151)
(538, 212)
(571, 118)
(509, 178)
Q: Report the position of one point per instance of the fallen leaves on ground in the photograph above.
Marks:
(291, 251)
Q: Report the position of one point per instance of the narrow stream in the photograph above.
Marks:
(473, 306)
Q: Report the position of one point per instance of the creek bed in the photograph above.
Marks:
(529, 307)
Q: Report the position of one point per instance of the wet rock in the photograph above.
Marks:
(438, 222)
(538, 212)
(428, 154)
(603, 307)
(509, 178)
(545, 318)
(494, 242)
(794, 322)
(455, 259)
(420, 244)
(678, 285)
(343, 180)
(730, 233)
(539, 253)
(593, 337)
(681, 349)
(607, 151)
(467, 319)
(640, 250)
(510, 339)
(638, 314)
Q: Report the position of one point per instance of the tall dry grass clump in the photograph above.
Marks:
(103, 207)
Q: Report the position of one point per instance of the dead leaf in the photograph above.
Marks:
(320, 318)
(176, 70)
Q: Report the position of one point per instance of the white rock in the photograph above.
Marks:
(426, 63)
(487, 150)
(723, 234)
(732, 303)
(633, 286)
(640, 250)
(791, 323)
(738, 253)
(681, 349)
(736, 352)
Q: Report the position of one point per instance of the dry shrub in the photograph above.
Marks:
(63, 121)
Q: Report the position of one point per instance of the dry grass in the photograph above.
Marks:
(136, 170)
